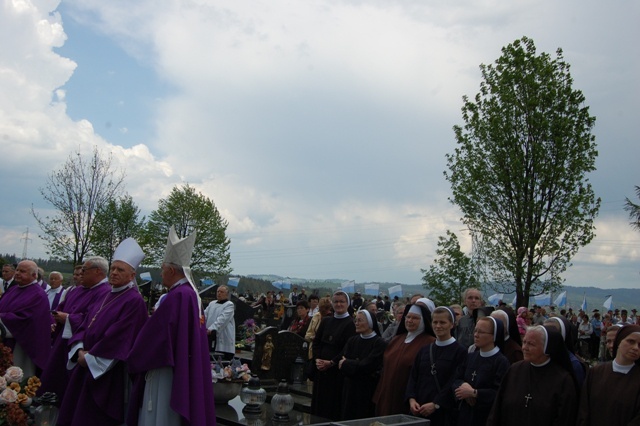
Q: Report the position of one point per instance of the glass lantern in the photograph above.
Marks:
(297, 371)
(47, 413)
(282, 403)
(253, 396)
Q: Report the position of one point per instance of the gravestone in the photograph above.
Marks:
(263, 354)
(287, 348)
(274, 354)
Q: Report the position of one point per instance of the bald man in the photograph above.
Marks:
(24, 312)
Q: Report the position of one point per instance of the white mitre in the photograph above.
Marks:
(179, 251)
(129, 252)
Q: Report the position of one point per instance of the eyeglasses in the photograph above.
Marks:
(481, 332)
(90, 267)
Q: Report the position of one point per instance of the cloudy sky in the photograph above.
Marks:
(318, 127)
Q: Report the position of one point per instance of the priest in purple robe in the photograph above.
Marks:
(97, 390)
(24, 312)
(170, 356)
(92, 287)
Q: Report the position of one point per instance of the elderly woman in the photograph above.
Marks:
(540, 390)
(414, 332)
(429, 388)
(332, 335)
(301, 322)
(478, 380)
(599, 405)
(360, 364)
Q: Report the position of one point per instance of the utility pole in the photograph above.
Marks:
(26, 243)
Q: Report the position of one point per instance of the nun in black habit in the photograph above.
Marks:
(360, 365)
(477, 382)
(333, 333)
(541, 390)
(429, 389)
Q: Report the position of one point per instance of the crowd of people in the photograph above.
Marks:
(110, 362)
(471, 365)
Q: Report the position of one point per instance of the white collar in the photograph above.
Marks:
(31, 283)
(492, 352)
(623, 369)
(179, 282)
(447, 342)
(341, 316)
(123, 288)
(543, 364)
(368, 336)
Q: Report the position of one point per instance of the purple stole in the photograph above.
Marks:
(56, 299)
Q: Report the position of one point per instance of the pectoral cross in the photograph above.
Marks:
(527, 397)
(473, 375)
(92, 320)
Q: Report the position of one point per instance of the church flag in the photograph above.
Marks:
(394, 291)
(494, 299)
(371, 289)
(608, 304)
(584, 303)
(561, 300)
(348, 286)
(145, 276)
(233, 281)
(543, 299)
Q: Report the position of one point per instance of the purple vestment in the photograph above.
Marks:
(175, 337)
(25, 312)
(55, 375)
(108, 331)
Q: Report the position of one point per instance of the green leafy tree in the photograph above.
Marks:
(115, 221)
(519, 170)
(634, 210)
(76, 191)
(187, 211)
(451, 273)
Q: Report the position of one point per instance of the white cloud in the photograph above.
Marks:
(319, 128)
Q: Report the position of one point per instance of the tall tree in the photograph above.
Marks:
(519, 170)
(115, 221)
(187, 211)
(450, 274)
(75, 191)
(634, 210)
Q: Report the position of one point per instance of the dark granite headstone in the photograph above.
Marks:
(287, 348)
(263, 353)
(275, 353)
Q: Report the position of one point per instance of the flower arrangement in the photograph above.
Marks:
(235, 372)
(16, 394)
(248, 330)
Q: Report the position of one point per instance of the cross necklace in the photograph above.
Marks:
(527, 397)
(107, 304)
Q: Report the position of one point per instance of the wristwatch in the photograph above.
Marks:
(436, 405)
